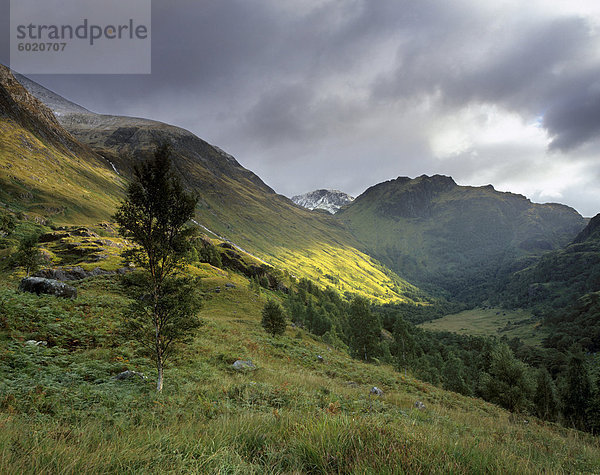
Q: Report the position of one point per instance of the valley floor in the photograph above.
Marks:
(489, 321)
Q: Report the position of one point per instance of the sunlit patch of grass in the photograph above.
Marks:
(491, 322)
(52, 183)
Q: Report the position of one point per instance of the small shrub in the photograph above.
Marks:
(273, 318)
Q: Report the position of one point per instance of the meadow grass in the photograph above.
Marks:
(496, 322)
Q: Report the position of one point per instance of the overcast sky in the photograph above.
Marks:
(348, 93)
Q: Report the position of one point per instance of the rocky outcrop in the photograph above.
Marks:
(66, 274)
(39, 285)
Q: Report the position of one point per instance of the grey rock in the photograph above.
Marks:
(230, 285)
(241, 365)
(39, 285)
(36, 343)
(320, 359)
(75, 273)
(375, 391)
(128, 374)
(419, 405)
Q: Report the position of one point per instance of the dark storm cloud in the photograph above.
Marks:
(316, 93)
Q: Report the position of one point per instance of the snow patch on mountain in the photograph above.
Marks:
(329, 200)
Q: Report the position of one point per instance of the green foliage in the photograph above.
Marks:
(8, 223)
(577, 394)
(28, 254)
(208, 252)
(177, 303)
(545, 398)
(507, 382)
(364, 330)
(273, 318)
(455, 376)
(154, 216)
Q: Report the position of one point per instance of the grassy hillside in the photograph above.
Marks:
(61, 410)
(43, 169)
(53, 184)
(459, 238)
(82, 182)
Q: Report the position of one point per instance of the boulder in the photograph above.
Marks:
(39, 285)
(230, 285)
(320, 359)
(75, 273)
(419, 405)
(375, 391)
(128, 374)
(36, 343)
(241, 365)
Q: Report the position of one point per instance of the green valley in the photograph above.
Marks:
(430, 327)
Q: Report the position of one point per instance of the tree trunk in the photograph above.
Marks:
(159, 381)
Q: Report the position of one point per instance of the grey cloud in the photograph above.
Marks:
(349, 93)
(574, 118)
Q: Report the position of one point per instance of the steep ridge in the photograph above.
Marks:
(234, 202)
(458, 238)
(328, 200)
(564, 287)
(44, 169)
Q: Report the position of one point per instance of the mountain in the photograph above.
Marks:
(458, 238)
(329, 200)
(235, 204)
(564, 287)
(43, 169)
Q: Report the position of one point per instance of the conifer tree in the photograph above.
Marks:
(545, 398)
(364, 328)
(273, 318)
(578, 392)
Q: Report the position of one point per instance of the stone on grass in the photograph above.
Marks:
(36, 343)
(39, 285)
(419, 405)
(128, 374)
(241, 365)
(376, 391)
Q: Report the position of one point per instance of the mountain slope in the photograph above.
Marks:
(433, 231)
(234, 202)
(62, 405)
(564, 287)
(329, 200)
(45, 170)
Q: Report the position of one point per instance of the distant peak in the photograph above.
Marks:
(329, 200)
